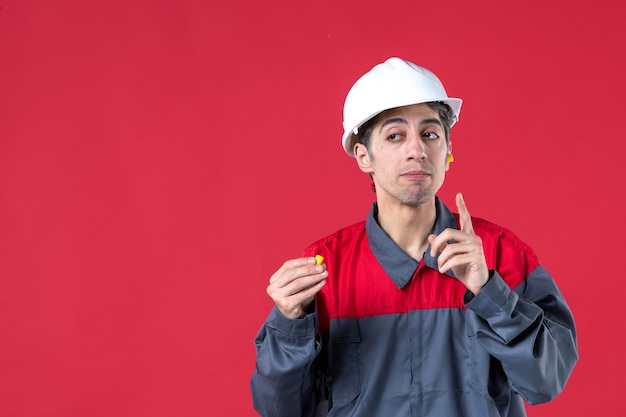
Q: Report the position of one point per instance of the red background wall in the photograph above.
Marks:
(160, 159)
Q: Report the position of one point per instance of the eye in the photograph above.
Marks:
(394, 137)
(430, 135)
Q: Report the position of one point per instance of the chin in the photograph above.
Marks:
(416, 199)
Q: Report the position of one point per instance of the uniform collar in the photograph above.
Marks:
(397, 264)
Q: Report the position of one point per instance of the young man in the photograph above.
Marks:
(415, 311)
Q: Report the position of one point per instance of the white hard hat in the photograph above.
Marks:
(394, 83)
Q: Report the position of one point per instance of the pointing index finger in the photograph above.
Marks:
(465, 220)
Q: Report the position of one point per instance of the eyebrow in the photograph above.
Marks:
(429, 121)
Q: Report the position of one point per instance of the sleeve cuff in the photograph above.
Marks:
(494, 297)
(298, 328)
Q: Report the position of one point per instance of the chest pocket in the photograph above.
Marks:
(345, 342)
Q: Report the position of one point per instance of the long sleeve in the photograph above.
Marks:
(283, 384)
(530, 330)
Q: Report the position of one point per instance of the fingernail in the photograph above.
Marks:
(319, 268)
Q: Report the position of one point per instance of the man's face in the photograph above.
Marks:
(407, 158)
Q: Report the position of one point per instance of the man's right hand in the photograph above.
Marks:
(294, 285)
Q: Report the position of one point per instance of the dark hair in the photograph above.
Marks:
(443, 110)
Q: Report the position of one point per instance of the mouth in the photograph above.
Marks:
(415, 175)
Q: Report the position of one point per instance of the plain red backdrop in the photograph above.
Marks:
(159, 160)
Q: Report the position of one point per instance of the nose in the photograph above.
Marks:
(415, 147)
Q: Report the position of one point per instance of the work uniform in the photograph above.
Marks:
(390, 336)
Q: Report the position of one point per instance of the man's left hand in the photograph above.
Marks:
(461, 251)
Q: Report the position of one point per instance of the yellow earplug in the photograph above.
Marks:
(319, 259)
(450, 158)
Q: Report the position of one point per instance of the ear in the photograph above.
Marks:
(362, 158)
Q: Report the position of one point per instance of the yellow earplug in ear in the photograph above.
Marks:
(450, 158)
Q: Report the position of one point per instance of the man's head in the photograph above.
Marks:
(394, 83)
(397, 120)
